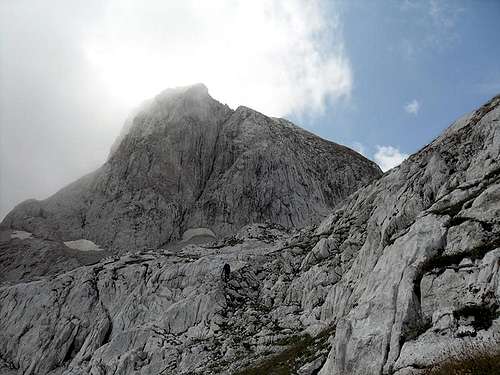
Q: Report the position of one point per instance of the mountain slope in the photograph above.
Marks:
(186, 161)
(421, 280)
(402, 274)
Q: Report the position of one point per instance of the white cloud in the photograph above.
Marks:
(97, 60)
(412, 107)
(438, 20)
(277, 57)
(388, 157)
(444, 14)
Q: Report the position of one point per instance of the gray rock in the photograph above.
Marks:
(311, 367)
(402, 274)
(405, 278)
(24, 257)
(158, 311)
(187, 161)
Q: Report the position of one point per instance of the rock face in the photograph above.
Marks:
(418, 255)
(187, 161)
(162, 312)
(401, 274)
(24, 257)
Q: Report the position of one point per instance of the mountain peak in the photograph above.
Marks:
(187, 161)
(198, 91)
(408, 263)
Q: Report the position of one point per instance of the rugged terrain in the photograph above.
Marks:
(401, 274)
(186, 161)
(24, 257)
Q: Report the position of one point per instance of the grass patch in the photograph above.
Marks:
(284, 362)
(300, 350)
(469, 363)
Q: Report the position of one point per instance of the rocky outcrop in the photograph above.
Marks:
(187, 161)
(401, 274)
(24, 257)
(408, 233)
(163, 312)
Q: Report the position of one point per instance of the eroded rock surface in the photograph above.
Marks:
(187, 161)
(25, 257)
(417, 256)
(163, 312)
(401, 274)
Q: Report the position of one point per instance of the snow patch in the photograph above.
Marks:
(195, 232)
(21, 234)
(83, 245)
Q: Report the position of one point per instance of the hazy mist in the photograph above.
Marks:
(70, 72)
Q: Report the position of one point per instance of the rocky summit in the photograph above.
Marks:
(186, 161)
(402, 273)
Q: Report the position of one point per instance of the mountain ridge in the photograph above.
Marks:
(402, 274)
(186, 161)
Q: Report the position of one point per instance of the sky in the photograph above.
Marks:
(382, 77)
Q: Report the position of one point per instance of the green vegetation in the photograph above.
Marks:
(299, 350)
(284, 362)
(470, 363)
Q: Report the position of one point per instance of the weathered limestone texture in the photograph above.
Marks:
(401, 274)
(187, 161)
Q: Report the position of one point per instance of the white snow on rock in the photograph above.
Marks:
(22, 235)
(196, 232)
(83, 245)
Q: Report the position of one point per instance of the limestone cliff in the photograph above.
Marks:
(402, 273)
(186, 161)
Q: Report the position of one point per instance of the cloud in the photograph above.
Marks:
(412, 107)
(388, 157)
(72, 71)
(437, 22)
(444, 14)
(277, 57)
